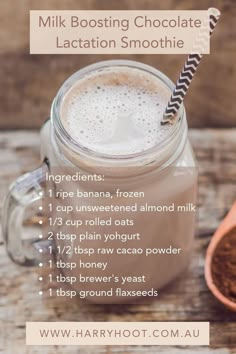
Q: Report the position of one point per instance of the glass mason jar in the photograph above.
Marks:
(166, 172)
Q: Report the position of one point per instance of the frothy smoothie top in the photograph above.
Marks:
(116, 111)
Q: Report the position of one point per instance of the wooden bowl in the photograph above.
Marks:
(227, 224)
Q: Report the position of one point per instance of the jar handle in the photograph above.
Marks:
(26, 190)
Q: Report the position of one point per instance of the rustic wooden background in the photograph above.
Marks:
(187, 299)
(29, 82)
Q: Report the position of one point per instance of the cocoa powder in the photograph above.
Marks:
(224, 265)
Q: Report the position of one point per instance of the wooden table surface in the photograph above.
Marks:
(188, 299)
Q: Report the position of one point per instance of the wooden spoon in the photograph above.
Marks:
(227, 225)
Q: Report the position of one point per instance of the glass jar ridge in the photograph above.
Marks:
(72, 152)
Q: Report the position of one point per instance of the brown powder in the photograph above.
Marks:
(224, 265)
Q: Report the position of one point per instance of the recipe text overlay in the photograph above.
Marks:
(117, 32)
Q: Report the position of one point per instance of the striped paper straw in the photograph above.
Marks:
(189, 69)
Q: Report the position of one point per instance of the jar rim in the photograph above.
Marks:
(80, 149)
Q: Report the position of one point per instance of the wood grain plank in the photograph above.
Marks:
(188, 299)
